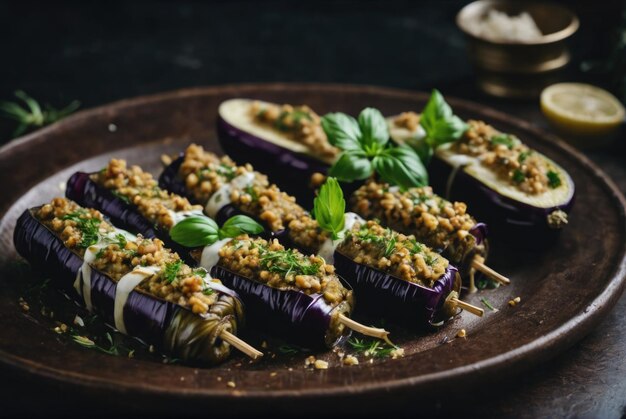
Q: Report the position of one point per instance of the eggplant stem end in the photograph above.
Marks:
(241, 345)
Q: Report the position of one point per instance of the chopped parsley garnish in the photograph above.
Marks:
(391, 246)
(504, 139)
(201, 272)
(88, 227)
(430, 260)
(554, 180)
(372, 348)
(250, 191)
(518, 176)
(416, 247)
(171, 270)
(287, 262)
(207, 290)
(523, 156)
(227, 171)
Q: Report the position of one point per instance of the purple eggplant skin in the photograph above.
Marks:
(396, 299)
(290, 170)
(305, 320)
(146, 317)
(171, 181)
(87, 193)
(511, 221)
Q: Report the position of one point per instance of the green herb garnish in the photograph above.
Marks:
(286, 262)
(329, 208)
(199, 230)
(518, 176)
(201, 272)
(226, 171)
(122, 197)
(439, 122)
(365, 150)
(372, 348)
(390, 248)
(488, 304)
(505, 139)
(171, 270)
(554, 181)
(523, 156)
(89, 227)
(288, 349)
(33, 116)
(250, 191)
(113, 349)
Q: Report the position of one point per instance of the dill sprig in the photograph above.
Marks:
(33, 115)
(171, 270)
(287, 262)
(113, 349)
(89, 227)
(372, 348)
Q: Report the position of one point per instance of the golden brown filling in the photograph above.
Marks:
(436, 222)
(401, 256)
(299, 122)
(204, 173)
(272, 264)
(118, 254)
(139, 188)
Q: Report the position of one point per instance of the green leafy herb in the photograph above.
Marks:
(439, 122)
(372, 347)
(250, 191)
(199, 230)
(113, 349)
(171, 270)
(33, 116)
(201, 272)
(207, 290)
(523, 156)
(239, 224)
(554, 181)
(329, 207)
(286, 262)
(430, 260)
(366, 149)
(89, 227)
(288, 349)
(226, 171)
(488, 304)
(504, 139)
(122, 197)
(391, 246)
(518, 176)
(416, 247)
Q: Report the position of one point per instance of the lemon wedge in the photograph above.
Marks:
(582, 109)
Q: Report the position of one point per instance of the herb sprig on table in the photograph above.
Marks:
(366, 149)
(199, 231)
(33, 115)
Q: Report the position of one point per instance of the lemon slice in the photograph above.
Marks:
(582, 109)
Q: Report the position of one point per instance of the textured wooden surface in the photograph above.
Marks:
(189, 116)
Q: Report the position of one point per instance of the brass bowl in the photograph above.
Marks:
(519, 69)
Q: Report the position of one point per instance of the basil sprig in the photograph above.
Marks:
(199, 231)
(329, 207)
(440, 124)
(366, 149)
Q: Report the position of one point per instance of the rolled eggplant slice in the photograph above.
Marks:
(136, 285)
(518, 190)
(276, 139)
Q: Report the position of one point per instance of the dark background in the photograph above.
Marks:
(99, 52)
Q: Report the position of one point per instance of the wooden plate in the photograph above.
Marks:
(564, 291)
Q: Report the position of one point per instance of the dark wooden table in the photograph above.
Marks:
(101, 52)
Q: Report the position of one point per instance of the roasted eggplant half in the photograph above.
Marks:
(521, 193)
(139, 287)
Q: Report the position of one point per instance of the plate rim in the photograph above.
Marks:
(544, 347)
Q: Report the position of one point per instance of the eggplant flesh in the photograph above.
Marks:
(515, 216)
(287, 162)
(403, 301)
(170, 327)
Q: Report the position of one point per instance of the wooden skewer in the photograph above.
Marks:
(365, 330)
(241, 345)
(480, 266)
(467, 306)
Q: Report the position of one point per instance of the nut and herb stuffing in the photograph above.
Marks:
(300, 122)
(270, 263)
(135, 186)
(205, 173)
(402, 256)
(118, 254)
(436, 222)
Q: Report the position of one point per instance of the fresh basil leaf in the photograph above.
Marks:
(351, 166)
(342, 131)
(239, 224)
(436, 109)
(401, 166)
(447, 130)
(423, 150)
(374, 131)
(195, 232)
(329, 207)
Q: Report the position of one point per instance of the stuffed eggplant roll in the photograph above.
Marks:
(138, 286)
